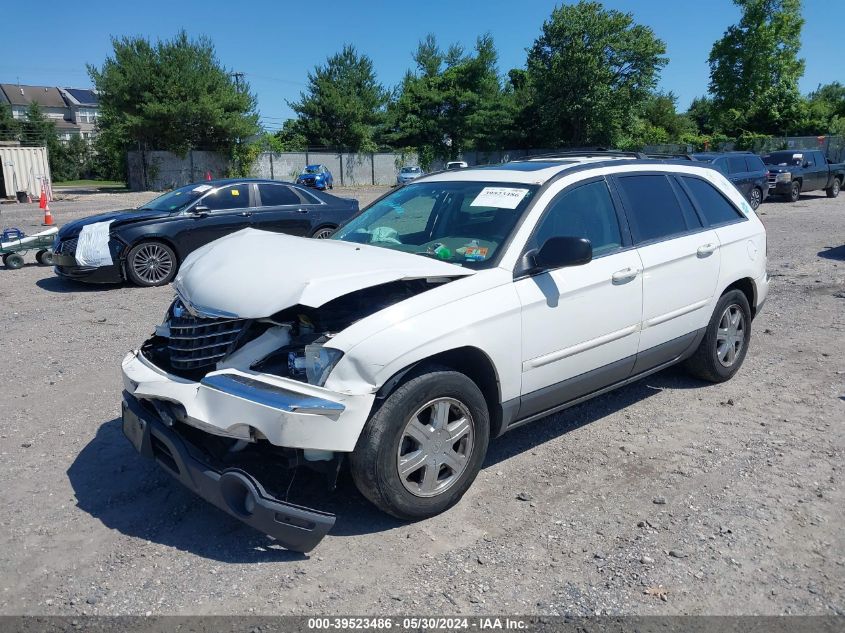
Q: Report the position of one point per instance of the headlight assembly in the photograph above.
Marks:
(319, 362)
(784, 177)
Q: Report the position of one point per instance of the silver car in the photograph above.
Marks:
(407, 174)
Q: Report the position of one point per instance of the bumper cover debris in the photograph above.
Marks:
(232, 490)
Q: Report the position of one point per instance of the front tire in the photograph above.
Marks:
(833, 190)
(795, 192)
(151, 264)
(756, 198)
(44, 257)
(722, 350)
(13, 261)
(422, 449)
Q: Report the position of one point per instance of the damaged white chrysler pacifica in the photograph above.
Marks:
(446, 313)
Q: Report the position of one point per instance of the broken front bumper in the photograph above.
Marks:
(232, 489)
(250, 406)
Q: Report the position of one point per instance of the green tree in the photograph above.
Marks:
(36, 130)
(589, 74)
(701, 113)
(452, 102)
(343, 105)
(10, 128)
(172, 95)
(754, 69)
(824, 106)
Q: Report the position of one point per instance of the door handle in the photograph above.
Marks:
(302, 210)
(625, 275)
(246, 214)
(706, 250)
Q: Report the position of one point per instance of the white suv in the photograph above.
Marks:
(446, 313)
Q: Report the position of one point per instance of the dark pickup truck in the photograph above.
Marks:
(793, 172)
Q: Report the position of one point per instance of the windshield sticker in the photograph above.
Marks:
(202, 188)
(501, 197)
(235, 192)
(797, 155)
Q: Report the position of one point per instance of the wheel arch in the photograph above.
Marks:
(468, 360)
(747, 287)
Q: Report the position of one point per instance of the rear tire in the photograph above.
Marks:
(13, 261)
(44, 257)
(436, 428)
(324, 232)
(151, 264)
(722, 350)
(795, 192)
(833, 190)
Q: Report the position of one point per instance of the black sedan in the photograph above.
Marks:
(147, 244)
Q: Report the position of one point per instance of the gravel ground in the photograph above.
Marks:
(666, 497)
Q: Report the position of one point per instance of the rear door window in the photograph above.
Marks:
(736, 164)
(653, 210)
(712, 204)
(277, 195)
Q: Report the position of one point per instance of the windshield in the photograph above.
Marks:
(410, 170)
(784, 158)
(177, 199)
(464, 223)
(312, 169)
(703, 157)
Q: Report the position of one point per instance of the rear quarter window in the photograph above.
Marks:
(715, 208)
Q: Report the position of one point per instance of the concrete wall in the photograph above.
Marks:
(164, 170)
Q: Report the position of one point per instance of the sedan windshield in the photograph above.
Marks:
(177, 199)
(312, 169)
(464, 223)
(410, 170)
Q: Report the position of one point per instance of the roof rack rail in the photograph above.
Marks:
(586, 153)
(663, 155)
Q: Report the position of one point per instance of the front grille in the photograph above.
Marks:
(771, 179)
(196, 343)
(67, 247)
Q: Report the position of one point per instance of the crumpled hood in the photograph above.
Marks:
(117, 218)
(253, 274)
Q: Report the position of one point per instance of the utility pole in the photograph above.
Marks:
(238, 77)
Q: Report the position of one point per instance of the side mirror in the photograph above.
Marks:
(200, 210)
(806, 163)
(557, 252)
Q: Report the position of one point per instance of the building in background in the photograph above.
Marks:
(73, 110)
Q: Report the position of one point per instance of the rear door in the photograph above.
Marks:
(282, 209)
(680, 264)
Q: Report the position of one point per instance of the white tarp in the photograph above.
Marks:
(92, 249)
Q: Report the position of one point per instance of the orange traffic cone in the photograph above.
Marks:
(42, 204)
(208, 175)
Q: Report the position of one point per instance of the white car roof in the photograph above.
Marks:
(530, 171)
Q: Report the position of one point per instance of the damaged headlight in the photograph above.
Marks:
(315, 363)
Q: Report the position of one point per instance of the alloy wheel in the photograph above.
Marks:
(323, 234)
(152, 263)
(756, 198)
(730, 335)
(435, 447)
